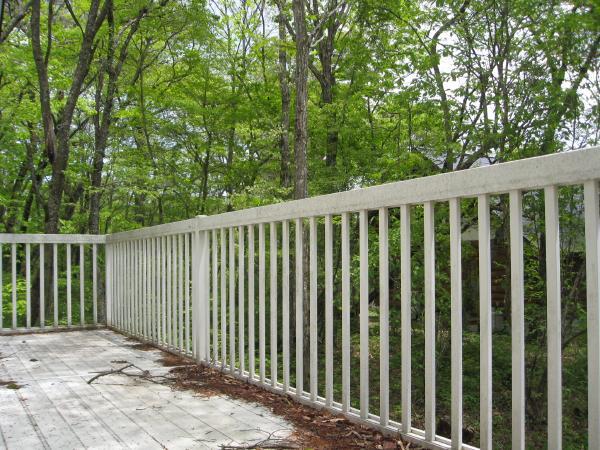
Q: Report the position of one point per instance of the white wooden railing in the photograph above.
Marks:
(196, 286)
(53, 252)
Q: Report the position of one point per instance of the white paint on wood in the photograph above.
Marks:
(251, 301)
(485, 319)
(231, 311)
(592, 264)
(241, 300)
(364, 313)
(517, 320)
(456, 408)
(384, 298)
(313, 309)
(285, 301)
(406, 315)
(328, 310)
(299, 307)
(273, 300)
(28, 285)
(345, 312)
(42, 287)
(81, 285)
(430, 333)
(261, 302)
(553, 323)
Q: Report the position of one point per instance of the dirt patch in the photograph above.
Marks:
(10, 384)
(313, 428)
(170, 360)
(142, 346)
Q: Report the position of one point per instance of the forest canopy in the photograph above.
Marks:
(116, 115)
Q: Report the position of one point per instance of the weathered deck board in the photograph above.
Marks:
(56, 409)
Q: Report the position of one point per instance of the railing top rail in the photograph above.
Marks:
(574, 167)
(16, 238)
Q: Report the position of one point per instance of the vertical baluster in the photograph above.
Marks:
(131, 287)
(69, 302)
(95, 281)
(186, 287)
(55, 282)
(198, 319)
(285, 294)
(124, 286)
(456, 323)
(241, 301)
(299, 266)
(406, 326)
(553, 318)
(180, 293)
(28, 285)
(137, 294)
(163, 289)
(232, 298)
(141, 288)
(116, 277)
(123, 274)
(152, 277)
(169, 292)
(1, 288)
(384, 298)
(42, 288)
(517, 320)
(345, 312)
(204, 276)
(81, 285)
(215, 310)
(186, 242)
(223, 299)
(251, 342)
(364, 312)
(429, 278)
(109, 283)
(485, 313)
(174, 291)
(313, 309)
(273, 300)
(147, 295)
(14, 284)
(261, 301)
(592, 264)
(328, 310)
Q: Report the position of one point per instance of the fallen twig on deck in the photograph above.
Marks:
(144, 374)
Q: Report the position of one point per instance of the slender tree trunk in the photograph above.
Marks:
(284, 86)
(301, 146)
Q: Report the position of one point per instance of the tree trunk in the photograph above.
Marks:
(284, 140)
(300, 148)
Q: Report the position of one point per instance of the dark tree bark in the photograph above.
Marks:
(301, 81)
(14, 21)
(104, 109)
(284, 86)
(57, 132)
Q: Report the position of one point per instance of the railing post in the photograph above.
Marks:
(108, 253)
(200, 294)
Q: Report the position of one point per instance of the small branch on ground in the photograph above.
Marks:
(143, 374)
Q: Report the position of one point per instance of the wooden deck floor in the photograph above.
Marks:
(55, 407)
